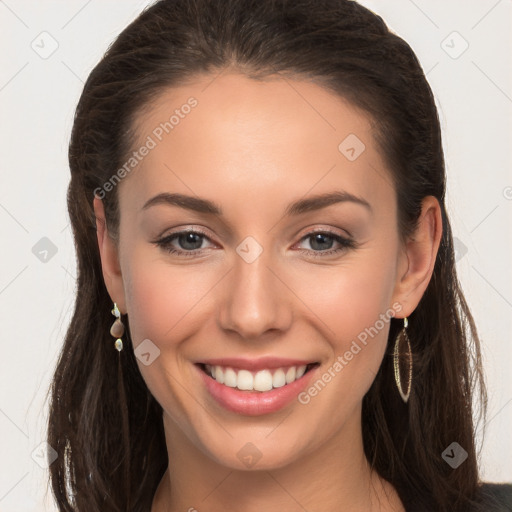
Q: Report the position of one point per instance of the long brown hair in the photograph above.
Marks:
(104, 423)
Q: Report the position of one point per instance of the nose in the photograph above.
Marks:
(256, 299)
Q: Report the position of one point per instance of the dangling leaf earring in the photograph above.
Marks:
(402, 339)
(117, 329)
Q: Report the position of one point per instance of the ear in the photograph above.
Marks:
(418, 257)
(109, 258)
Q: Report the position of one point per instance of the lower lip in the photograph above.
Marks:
(255, 403)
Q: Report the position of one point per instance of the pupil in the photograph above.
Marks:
(320, 238)
(189, 238)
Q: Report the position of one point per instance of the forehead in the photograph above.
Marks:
(229, 134)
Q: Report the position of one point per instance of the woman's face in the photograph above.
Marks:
(253, 287)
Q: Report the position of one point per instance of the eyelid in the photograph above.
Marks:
(346, 242)
(308, 232)
(333, 231)
(185, 229)
(165, 240)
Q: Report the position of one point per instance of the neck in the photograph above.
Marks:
(332, 477)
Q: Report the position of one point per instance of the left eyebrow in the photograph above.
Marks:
(183, 201)
(307, 204)
(323, 200)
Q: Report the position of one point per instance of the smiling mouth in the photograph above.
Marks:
(262, 380)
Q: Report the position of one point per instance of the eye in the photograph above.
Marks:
(190, 243)
(321, 242)
(189, 240)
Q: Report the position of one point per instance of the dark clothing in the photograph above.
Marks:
(493, 497)
(499, 493)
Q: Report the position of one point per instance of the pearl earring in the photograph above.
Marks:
(117, 329)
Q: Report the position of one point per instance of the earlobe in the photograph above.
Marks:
(109, 258)
(420, 254)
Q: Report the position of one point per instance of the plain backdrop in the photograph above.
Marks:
(48, 50)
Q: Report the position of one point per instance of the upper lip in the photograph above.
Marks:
(261, 363)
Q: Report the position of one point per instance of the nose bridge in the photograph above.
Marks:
(255, 301)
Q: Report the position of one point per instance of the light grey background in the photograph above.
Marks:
(38, 94)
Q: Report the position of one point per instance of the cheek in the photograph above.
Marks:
(161, 297)
(149, 302)
(355, 306)
(368, 312)
(351, 297)
(354, 309)
(160, 304)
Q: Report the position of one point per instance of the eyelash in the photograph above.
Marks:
(346, 243)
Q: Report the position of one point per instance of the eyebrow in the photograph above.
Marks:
(307, 204)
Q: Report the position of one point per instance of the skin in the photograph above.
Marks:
(253, 148)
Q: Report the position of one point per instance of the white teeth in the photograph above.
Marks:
(290, 374)
(245, 380)
(278, 379)
(219, 374)
(229, 377)
(263, 380)
(301, 370)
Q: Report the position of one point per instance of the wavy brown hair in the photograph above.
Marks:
(104, 423)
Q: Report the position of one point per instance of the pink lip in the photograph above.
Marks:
(255, 364)
(254, 403)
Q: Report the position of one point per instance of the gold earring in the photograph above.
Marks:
(117, 329)
(400, 339)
